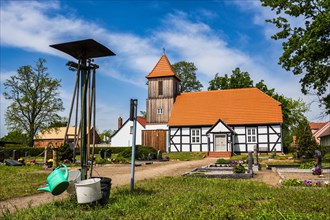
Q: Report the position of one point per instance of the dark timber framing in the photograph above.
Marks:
(268, 138)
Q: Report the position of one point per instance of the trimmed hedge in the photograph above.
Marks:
(35, 151)
(20, 151)
(143, 153)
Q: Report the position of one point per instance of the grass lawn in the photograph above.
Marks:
(185, 156)
(194, 198)
(16, 181)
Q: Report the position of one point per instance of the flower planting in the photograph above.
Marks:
(308, 183)
(317, 171)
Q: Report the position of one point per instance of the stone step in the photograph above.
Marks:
(219, 154)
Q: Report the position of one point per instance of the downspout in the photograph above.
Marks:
(281, 128)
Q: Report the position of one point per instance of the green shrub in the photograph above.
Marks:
(143, 153)
(114, 150)
(65, 153)
(306, 165)
(120, 159)
(239, 169)
(99, 160)
(222, 161)
(292, 182)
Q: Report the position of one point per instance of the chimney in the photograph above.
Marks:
(120, 122)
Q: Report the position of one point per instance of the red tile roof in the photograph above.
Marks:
(232, 106)
(162, 69)
(142, 121)
(316, 125)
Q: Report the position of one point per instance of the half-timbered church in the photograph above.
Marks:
(223, 121)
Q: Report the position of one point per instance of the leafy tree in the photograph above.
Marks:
(16, 136)
(143, 114)
(187, 73)
(306, 143)
(292, 110)
(35, 103)
(62, 122)
(107, 133)
(306, 50)
(237, 80)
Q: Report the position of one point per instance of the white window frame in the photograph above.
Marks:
(195, 136)
(159, 111)
(251, 135)
(131, 129)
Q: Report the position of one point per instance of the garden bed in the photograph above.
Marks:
(303, 175)
(217, 171)
(270, 166)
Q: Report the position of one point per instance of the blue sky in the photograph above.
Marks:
(217, 36)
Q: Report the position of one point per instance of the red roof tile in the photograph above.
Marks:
(142, 121)
(316, 125)
(162, 69)
(232, 106)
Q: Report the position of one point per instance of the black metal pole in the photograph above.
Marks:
(83, 119)
(134, 103)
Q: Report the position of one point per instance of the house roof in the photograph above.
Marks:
(232, 106)
(57, 133)
(316, 125)
(162, 69)
(323, 131)
(139, 119)
(142, 121)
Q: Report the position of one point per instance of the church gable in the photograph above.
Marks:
(220, 127)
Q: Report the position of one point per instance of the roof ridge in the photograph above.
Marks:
(221, 90)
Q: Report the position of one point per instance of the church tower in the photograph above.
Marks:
(163, 87)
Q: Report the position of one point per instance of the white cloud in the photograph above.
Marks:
(4, 103)
(36, 25)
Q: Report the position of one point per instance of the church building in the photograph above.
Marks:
(219, 122)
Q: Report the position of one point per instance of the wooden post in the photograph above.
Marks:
(55, 158)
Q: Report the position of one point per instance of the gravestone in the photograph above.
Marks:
(48, 154)
(108, 153)
(2, 156)
(256, 165)
(318, 156)
(255, 159)
(250, 170)
(15, 157)
(101, 152)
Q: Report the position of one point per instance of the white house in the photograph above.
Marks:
(227, 121)
(124, 135)
(321, 132)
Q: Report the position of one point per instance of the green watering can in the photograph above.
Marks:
(57, 181)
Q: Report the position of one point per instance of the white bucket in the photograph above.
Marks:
(88, 190)
(74, 177)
